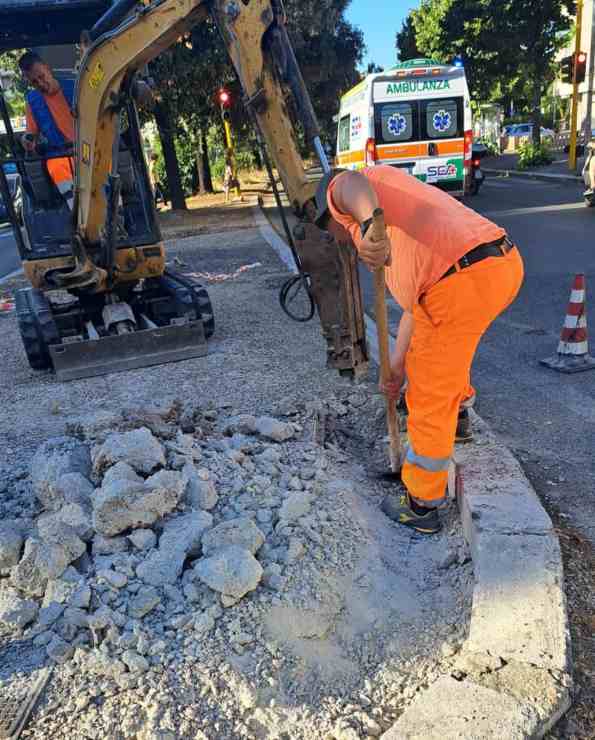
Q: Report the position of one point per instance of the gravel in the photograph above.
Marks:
(308, 615)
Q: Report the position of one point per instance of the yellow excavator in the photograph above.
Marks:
(123, 309)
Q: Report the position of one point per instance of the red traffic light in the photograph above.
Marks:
(224, 97)
(581, 66)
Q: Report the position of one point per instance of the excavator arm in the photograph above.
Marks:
(256, 39)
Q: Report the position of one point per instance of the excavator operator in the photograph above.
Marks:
(453, 272)
(50, 124)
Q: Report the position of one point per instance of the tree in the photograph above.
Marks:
(406, 41)
(189, 74)
(509, 47)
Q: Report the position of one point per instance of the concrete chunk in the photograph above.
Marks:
(451, 709)
(239, 531)
(53, 459)
(127, 505)
(180, 540)
(138, 448)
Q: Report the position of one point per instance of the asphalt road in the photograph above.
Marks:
(547, 418)
(9, 258)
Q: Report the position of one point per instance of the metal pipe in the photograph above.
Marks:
(12, 216)
(321, 154)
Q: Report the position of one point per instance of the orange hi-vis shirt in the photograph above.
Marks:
(61, 113)
(428, 230)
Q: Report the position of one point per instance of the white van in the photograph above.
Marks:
(417, 116)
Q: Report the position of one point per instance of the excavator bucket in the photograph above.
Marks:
(143, 348)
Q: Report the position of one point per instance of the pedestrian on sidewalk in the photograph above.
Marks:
(158, 190)
(453, 272)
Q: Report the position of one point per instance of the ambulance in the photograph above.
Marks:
(416, 117)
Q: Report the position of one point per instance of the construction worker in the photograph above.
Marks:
(49, 120)
(452, 272)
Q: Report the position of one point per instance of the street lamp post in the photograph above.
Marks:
(574, 113)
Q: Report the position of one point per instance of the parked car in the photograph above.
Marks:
(526, 129)
(14, 187)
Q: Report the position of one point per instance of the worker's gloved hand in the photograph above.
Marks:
(29, 142)
(374, 254)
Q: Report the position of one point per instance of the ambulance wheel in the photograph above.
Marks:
(37, 327)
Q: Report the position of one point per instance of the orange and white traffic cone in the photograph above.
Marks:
(573, 349)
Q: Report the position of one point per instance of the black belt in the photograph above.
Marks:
(493, 249)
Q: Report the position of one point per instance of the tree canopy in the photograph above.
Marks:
(509, 48)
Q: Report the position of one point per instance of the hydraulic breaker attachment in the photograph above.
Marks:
(335, 287)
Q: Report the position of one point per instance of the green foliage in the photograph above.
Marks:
(189, 74)
(14, 96)
(509, 47)
(407, 41)
(491, 145)
(534, 155)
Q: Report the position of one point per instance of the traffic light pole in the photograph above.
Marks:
(230, 148)
(574, 111)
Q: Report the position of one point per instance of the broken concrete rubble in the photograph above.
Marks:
(125, 504)
(55, 458)
(201, 492)
(233, 571)
(180, 540)
(240, 531)
(138, 448)
(11, 546)
(16, 612)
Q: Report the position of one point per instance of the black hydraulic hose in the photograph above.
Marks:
(118, 11)
(301, 280)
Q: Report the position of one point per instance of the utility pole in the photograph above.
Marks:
(574, 111)
(587, 123)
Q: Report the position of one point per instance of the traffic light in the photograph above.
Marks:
(567, 69)
(224, 98)
(581, 66)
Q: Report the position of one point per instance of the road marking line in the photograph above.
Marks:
(536, 209)
(5, 234)
(4, 278)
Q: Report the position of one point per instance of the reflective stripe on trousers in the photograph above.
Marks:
(426, 473)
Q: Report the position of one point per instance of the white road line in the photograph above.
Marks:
(4, 278)
(536, 209)
(6, 234)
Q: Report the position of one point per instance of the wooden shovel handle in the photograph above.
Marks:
(378, 227)
(378, 233)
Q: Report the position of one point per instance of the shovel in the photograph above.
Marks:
(378, 233)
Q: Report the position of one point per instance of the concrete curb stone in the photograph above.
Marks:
(533, 175)
(512, 677)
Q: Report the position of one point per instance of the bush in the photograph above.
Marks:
(531, 155)
(491, 145)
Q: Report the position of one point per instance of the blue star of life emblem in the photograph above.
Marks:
(441, 121)
(397, 124)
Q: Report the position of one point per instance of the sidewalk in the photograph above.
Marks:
(558, 170)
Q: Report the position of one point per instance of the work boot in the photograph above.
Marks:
(464, 432)
(399, 509)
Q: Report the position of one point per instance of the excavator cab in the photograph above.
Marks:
(142, 314)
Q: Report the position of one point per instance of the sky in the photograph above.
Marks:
(380, 20)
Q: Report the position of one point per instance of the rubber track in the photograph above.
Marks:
(35, 348)
(201, 300)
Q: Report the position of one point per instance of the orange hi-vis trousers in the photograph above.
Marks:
(60, 170)
(449, 321)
